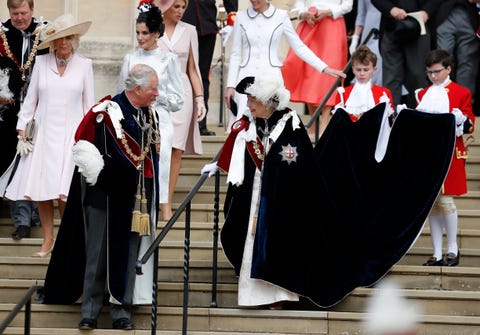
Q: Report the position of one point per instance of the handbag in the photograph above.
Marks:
(30, 130)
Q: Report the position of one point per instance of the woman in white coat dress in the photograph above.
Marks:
(60, 93)
(257, 34)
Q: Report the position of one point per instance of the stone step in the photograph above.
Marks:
(432, 301)
(409, 274)
(236, 321)
(473, 181)
(202, 249)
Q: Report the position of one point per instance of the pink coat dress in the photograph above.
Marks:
(186, 133)
(58, 103)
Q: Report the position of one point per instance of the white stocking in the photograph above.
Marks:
(436, 233)
(451, 226)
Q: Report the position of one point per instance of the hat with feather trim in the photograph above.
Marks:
(266, 89)
(62, 26)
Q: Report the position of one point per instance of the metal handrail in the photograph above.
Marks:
(25, 301)
(184, 206)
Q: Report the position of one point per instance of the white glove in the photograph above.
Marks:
(89, 160)
(225, 32)
(23, 147)
(210, 168)
(201, 109)
(459, 120)
(353, 44)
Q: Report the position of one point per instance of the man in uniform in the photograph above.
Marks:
(19, 38)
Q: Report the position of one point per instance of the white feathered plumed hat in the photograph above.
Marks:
(390, 313)
(265, 89)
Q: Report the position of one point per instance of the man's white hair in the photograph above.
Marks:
(139, 75)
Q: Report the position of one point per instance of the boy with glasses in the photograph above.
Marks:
(446, 96)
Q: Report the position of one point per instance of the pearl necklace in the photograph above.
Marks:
(32, 54)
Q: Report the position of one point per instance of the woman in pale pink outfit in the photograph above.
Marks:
(181, 39)
(60, 93)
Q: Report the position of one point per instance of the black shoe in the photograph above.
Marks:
(451, 259)
(123, 323)
(21, 232)
(87, 324)
(206, 132)
(433, 261)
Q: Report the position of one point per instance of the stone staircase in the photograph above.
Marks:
(449, 297)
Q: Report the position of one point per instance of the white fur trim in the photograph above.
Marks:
(115, 113)
(88, 159)
(4, 89)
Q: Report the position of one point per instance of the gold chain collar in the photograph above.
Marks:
(145, 151)
(29, 61)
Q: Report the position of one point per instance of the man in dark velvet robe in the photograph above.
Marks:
(100, 232)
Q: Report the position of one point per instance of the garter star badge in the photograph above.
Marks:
(289, 154)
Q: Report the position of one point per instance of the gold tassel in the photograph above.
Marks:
(136, 214)
(144, 227)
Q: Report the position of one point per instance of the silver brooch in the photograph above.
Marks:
(289, 154)
(99, 118)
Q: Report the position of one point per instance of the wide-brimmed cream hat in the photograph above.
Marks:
(62, 26)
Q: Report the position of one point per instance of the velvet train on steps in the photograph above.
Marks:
(364, 214)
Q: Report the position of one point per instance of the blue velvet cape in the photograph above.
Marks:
(340, 219)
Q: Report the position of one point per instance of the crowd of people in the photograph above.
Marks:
(61, 147)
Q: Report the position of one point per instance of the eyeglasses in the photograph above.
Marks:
(434, 72)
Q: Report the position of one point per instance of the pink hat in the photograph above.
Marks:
(164, 5)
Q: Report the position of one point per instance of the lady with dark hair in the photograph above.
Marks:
(149, 28)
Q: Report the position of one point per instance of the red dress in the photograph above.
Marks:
(327, 39)
(456, 181)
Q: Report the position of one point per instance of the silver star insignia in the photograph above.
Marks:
(289, 154)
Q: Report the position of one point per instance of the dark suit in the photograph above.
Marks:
(203, 15)
(403, 63)
(456, 23)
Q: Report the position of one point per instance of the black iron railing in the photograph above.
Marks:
(26, 302)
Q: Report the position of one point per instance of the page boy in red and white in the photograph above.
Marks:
(363, 95)
(446, 96)
(356, 99)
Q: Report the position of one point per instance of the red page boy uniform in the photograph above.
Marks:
(446, 96)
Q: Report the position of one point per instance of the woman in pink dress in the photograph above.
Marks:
(181, 39)
(322, 29)
(60, 93)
